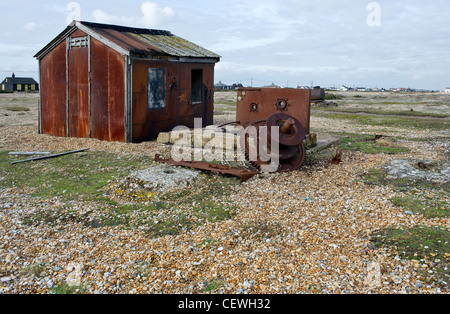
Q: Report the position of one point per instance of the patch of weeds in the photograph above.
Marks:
(66, 289)
(425, 245)
(100, 222)
(169, 226)
(421, 196)
(428, 207)
(17, 108)
(370, 145)
(208, 242)
(213, 211)
(80, 176)
(206, 199)
(213, 284)
(404, 122)
(376, 177)
(52, 216)
(262, 229)
(35, 270)
(384, 112)
(171, 213)
(329, 96)
(380, 177)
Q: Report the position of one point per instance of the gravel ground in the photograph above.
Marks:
(317, 220)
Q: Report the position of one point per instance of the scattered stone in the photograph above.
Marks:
(164, 177)
(405, 169)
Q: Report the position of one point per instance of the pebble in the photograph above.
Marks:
(313, 233)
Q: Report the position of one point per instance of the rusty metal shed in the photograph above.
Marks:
(123, 84)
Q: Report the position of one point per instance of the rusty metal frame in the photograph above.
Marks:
(259, 103)
(243, 174)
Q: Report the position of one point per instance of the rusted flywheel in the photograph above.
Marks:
(291, 153)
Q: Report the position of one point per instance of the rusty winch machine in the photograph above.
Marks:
(259, 111)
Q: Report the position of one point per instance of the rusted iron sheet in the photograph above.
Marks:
(147, 41)
(107, 93)
(179, 108)
(317, 94)
(78, 91)
(259, 103)
(92, 91)
(243, 174)
(53, 92)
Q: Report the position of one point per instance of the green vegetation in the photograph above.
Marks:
(406, 122)
(66, 289)
(35, 270)
(380, 177)
(79, 176)
(17, 108)
(332, 96)
(416, 243)
(213, 284)
(370, 145)
(408, 113)
(90, 179)
(427, 246)
(433, 208)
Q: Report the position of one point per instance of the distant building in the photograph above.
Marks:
(447, 90)
(236, 86)
(272, 86)
(19, 84)
(222, 86)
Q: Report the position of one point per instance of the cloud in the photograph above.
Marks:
(103, 17)
(30, 26)
(152, 15)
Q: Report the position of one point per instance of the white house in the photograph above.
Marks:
(447, 90)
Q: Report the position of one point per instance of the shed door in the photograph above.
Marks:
(78, 74)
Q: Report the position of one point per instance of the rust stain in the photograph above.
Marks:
(260, 103)
(243, 174)
(53, 92)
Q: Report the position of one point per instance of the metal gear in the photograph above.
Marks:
(292, 152)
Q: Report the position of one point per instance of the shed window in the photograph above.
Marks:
(196, 86)
(3, 86)
(33, 87)
(19, 86)
(156, 88)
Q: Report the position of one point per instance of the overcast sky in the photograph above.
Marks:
(289, 43)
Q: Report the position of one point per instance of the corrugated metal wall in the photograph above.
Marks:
(78, 87)
(53, 92)
(87, 90)
(107, 93)
(179, 110)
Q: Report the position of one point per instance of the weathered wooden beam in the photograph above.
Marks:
(51, 156)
